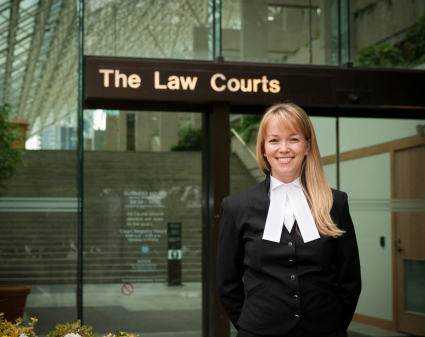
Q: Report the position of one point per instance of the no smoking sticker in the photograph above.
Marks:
(127, 289)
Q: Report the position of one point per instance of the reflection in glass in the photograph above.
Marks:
(415, 285)
(154, 29)
(281, 32)
(144, 172)
(387, 34)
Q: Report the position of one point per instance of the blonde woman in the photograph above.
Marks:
(288, 263)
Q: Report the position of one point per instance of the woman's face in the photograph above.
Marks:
(285, 152)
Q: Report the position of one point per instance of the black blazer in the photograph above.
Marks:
(268, 288)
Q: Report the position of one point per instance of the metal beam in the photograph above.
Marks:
(66, 23)
(13, 27)
(42, 17)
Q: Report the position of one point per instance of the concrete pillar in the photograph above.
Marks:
(254, 30)
(143, 131)
(168, 130)
(122, 128)
(111, 133)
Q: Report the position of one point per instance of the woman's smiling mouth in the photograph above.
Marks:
(284, 160)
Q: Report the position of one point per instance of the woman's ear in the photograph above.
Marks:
(308, 145)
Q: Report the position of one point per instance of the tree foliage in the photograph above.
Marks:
(10, 157)
(190, 139)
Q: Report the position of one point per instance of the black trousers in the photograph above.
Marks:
(296, 332)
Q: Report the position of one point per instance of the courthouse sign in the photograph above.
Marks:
(128, 79)
(134, 83)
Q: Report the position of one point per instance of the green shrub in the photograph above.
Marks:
(190, 139)
(75, 328)
(16, 329)
(383, 55)
(415, 41)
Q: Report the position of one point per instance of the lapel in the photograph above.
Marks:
(258, 206)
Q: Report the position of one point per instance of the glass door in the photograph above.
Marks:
(143, 222)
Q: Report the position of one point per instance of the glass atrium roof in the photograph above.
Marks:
(38, 53)
(39, 46)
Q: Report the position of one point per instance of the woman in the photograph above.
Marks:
(288, 262)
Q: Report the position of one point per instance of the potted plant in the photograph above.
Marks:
(12, 301)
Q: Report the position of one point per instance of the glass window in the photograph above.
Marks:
(143, 222)
(284, 32)
(387, 34)
(154, 29)
(38, 231)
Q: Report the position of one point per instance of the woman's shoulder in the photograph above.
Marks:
(245, 196)
(339, 198)
(338, 195)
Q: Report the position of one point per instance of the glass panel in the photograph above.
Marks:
(155, 29)
(370, 177)
(38, 231)
(143, 173)
(38, 209)
(244, 170)
(325, 129)
(282, 32)
(367, 181)
(387, 33)
(415, 286)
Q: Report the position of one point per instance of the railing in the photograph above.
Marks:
(238, 137)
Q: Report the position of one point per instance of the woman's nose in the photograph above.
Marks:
(284, 147)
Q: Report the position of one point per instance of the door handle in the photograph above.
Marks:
(397, 245)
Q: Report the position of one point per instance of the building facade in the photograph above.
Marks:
(142, 119)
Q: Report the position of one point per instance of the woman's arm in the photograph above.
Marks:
(230, 270)
(348, 265)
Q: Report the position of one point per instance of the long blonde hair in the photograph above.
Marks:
(316, 188)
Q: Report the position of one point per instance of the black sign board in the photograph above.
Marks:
(131, 83)
(174, 253)
(202, 82)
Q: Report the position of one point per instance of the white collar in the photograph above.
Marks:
(279, 193)
(275, 183)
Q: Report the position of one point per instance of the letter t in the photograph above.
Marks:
(106, 73)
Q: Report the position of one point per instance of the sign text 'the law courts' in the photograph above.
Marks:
(218, 82)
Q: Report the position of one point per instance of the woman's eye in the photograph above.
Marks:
(293, 140)
(273, 141)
